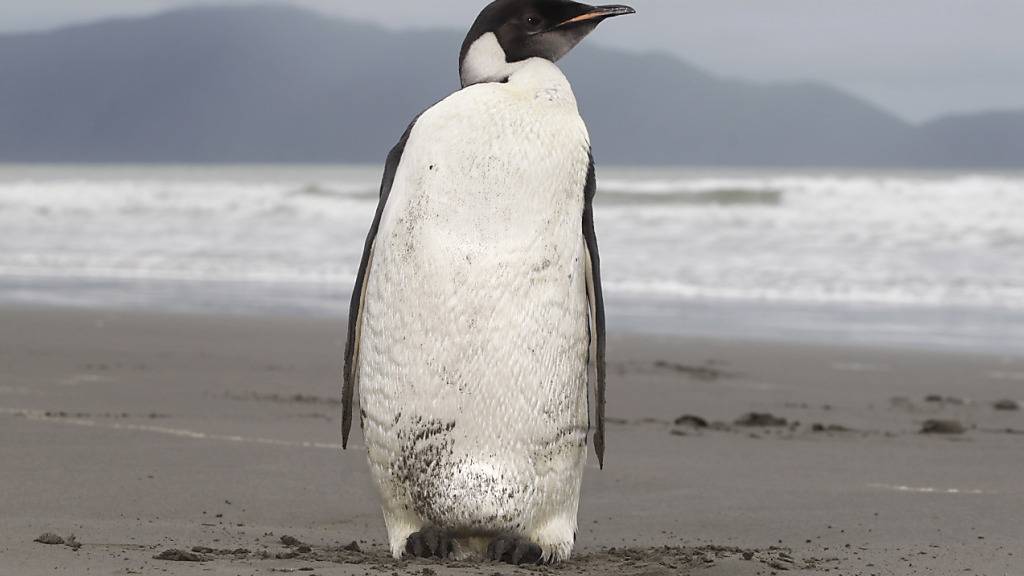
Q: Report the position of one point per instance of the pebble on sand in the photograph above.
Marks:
(942, 427)
(49, 538)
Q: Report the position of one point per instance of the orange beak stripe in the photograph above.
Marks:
(599, 12)
(583, 18)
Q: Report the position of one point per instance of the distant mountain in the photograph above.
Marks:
(277, 84)
(988, 139)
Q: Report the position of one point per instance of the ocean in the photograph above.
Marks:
(931, 260)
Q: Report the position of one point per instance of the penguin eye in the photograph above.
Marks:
(533, 22)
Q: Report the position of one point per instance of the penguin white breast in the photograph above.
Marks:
(473, 361)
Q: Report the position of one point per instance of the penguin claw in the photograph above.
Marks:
(429, 543)
(513, 550)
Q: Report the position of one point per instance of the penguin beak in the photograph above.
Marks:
(596, 14)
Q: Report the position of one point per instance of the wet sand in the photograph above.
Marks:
(208, 438)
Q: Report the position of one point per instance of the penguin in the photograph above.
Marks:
(477, 322)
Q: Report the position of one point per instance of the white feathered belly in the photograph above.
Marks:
(474, 348)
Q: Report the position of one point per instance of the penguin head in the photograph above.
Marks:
(509, 32)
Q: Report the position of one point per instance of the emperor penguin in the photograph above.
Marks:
(477, 318)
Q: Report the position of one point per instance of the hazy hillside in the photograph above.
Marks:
(273, 84)
(992, 139)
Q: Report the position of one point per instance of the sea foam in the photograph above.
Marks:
(909, 239)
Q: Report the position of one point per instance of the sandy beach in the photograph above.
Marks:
(218, 436)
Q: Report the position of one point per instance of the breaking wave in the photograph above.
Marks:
(910, 239)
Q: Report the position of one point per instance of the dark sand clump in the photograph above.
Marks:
(52, 539)
(707, 373)
(1007, 405)
(221, 551)
(285, 399)
(352, 547)
(175, 555)
(692, 421)
(939, 399)
(942, 427)
(761, 420)
(49, 538)
(817, 427)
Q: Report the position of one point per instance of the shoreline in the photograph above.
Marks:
(953, 329)
(142, 431)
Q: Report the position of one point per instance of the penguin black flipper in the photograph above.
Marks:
(595, 295)
(355, 310)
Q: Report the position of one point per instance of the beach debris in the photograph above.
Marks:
(221, 551)
(691, 421)
(942, 427)
(284, 398)
(290, 541)
(761, 420)
(72, 542)
(176, 555)
(707, 372)
(1007, 405)
(817, 427)
(940, 399)
(49, 538)
(352, 547)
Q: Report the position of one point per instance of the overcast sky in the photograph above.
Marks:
(918, 58)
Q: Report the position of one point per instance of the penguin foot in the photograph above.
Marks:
(429, 542)
(514, 550)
